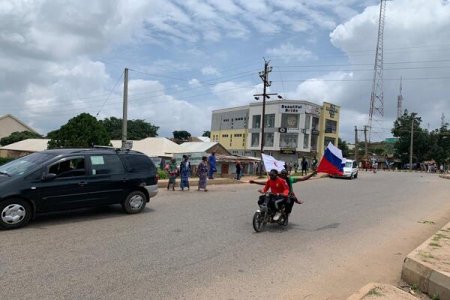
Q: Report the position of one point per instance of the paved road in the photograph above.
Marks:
(197, 245)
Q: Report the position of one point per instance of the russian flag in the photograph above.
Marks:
(332, 161)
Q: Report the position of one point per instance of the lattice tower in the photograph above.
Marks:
(376, 111)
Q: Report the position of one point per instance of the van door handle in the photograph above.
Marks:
(82, 183)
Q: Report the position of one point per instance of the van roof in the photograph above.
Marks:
(95, 150)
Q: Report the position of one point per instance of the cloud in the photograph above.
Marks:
(195, 83)
(210, 71)
(288, 52)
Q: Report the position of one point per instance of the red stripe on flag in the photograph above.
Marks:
(326, 167)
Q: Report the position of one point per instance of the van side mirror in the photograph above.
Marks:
(49, 176)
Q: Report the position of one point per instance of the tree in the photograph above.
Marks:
(18, 136)
(402, 130)
(206, 133)
(82, 131)
(181, 135)
(136, 129)
(344, 147)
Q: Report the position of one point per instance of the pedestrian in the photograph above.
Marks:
(238, 170)
(304, 166)
(185, 172)
(295, 167)
(212, 165)
(172, 170)
(202, 172)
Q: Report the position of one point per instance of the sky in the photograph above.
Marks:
(188, 57)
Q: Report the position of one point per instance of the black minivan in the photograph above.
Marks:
(63, 179)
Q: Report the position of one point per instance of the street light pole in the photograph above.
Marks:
(411, 145)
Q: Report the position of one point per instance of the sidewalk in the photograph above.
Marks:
(427, 269)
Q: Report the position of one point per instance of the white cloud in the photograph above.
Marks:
(288, 52)
(195, 83)
(208, 70)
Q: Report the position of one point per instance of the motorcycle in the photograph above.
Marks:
(265, 214)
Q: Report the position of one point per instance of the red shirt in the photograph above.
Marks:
(277, 186)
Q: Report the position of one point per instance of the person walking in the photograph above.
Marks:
(185, 172)
(238, 170)
(172, 170)
(304, 166)
(212, 165)
(202, 172)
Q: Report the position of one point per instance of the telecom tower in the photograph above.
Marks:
(376, 111)
(399, 101)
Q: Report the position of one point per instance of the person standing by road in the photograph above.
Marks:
(172, 169)
(304, 166)
(212, 165)
(202, 172)
(238, 170)
(185, 172)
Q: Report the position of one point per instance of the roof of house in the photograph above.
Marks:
(18, 121)
(30, 145)
(208, 147)
(156, 146)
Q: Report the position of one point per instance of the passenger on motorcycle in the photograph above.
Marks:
(290, 180)
(279, 192)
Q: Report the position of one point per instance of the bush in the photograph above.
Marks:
(162, 174)
(4, 160)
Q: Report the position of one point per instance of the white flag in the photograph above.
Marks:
(271, 163)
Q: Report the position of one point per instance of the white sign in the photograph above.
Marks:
(290, 108)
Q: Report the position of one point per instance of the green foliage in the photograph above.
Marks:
(4, 160)
(206, 133)
(162, 174)
(181, 135)
(19, 136)
(136, 129)
(344, 147)
(434, 145)
(82, 131)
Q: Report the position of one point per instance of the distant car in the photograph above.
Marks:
(350, 169)
(61, 179)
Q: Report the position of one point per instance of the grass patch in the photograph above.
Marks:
(433, 244)
(438, 236)
(376, 291)
(425, 254)
(435, 297)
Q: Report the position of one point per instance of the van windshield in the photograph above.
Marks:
(24, 164)
(348, 164)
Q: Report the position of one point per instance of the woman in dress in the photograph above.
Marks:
(202, 173)
(172, 169)
(185, 172)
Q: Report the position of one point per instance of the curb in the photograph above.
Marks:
(427, 267)
(381, 291)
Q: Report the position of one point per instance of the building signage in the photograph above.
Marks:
(287, 151)
(332, 110)
(290, 108)
(282, 130)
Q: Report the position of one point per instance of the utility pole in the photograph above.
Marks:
(264, 75)
(125, 109)
(411, 145)
(356, 143)
(366, 149)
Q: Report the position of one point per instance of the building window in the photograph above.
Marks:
(256, 121)
(288, 140)
(305, 141)
(328, 140)
(315, 123)
(290, 120)
(268, 139)
(224, 135)
(314, 139)
(330, 126)
(308, 122)
(255, 139)
(270, 121)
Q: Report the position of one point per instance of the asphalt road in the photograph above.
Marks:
(201, 245)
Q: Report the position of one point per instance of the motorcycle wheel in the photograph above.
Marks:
(258, 223)
(286, 220)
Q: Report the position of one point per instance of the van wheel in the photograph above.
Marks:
(135, 202)
(14, 213)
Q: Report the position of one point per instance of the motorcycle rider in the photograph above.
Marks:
(279, 189)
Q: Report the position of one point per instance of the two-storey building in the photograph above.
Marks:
(293, 129)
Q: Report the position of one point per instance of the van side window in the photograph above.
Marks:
(139, 164)
(106, 164)
(68, 167)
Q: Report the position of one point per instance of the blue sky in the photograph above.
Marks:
(186, 58)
